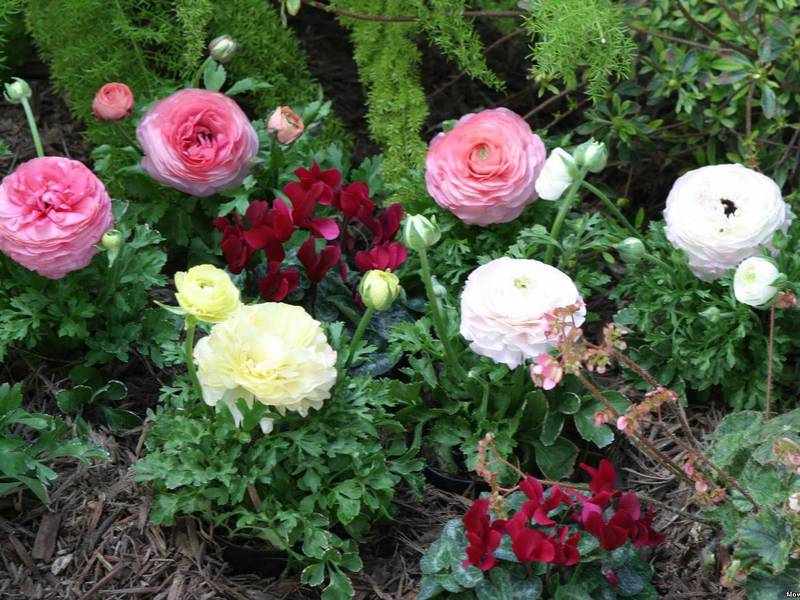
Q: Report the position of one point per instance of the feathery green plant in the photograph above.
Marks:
(574, 34)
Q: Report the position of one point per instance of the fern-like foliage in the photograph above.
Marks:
(8, 10)
(444, 23)
(156, 44)
(388, 61)
(571, 35)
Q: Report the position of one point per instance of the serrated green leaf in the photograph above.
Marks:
(769, 536)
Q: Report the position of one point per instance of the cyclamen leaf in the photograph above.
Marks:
(428, 588)
(437, 557)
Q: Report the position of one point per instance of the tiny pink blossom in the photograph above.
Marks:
(786, 300)
(700, 486)
(623, 424)
(688, 468)
(794, 502)
(547, 371)
(601, 417)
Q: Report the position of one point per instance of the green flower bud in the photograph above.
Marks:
(419, 232)
(592, 154)
(712, 314)
(222, 48)
(112, 239)
(379, 289)
(17, 90)
(631, 250)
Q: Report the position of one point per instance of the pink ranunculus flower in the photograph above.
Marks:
(52, 212)
(484, 169)
(287, 124)
(113, 102)
(197, 141)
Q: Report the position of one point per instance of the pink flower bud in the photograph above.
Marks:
(286, 124)
(700, 486)
(113, 102)
(786, 300)
(794, 502)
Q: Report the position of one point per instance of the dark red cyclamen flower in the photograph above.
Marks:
(642, 532)
(602, 482)
(529, 545)
(304, 204)
(236, 250)
(386, 257)
(612, 534)
(270, 227)
(389, 222)
(567, 553)
(353, 199)
(612, 578)
(483, 535)
(277, 284)
(321, 184)
(537, 506)
(317, 265)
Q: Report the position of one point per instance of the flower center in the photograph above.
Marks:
(524, 284)
(728, 206)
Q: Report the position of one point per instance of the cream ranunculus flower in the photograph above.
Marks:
(504, 304)
(272, 353)
(207, 293)
(721, 214)
(557, 175)
(752, 282)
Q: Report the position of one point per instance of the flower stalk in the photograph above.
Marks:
(612, 208)
(359, 333)
(438, 319)
(37, 140)
(188, 348)
(563, 211)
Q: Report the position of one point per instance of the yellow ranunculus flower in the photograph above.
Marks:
(273, 353)
(207, 293)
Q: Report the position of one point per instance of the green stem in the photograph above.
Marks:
(362, 325)
(566, 205)
(438, 320)
(188, 347)
(612, 208)
(199, 73)
(113, 281)
(37, 141)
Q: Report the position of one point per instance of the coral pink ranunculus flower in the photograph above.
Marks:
(113, 102)
(52, 212)
(484, 169)
(286, 124)
(197, 141)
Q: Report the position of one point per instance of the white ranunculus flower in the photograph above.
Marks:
(556, 176)
(752, 282)
(721, 214)
(272, 353)
(503, 307)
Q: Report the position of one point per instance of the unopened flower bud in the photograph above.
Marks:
(419, 232)
(222, 48)
(17, 90)
(712, 314)
(439, 290)
(592, 154)
(631, 250)
(379, 289)
(786, 300)
(285, 124)
(112, 239)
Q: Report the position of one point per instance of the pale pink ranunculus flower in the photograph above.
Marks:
(52, 212)
(197, 141)
(113, 102)
(505, 307)
(485, 168)
(287, 124)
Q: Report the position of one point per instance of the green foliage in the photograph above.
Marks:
(30, 441)
(720, 71)
(445, 576)
(759, 454)
(102, 310)
(388, 61)
(315, 483)
(156, 43)
(570, 35)
(89, 388)
(687, 332)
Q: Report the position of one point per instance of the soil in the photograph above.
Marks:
(94, 539)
